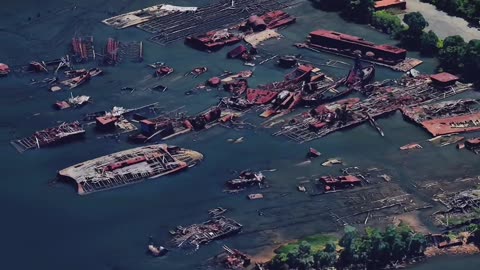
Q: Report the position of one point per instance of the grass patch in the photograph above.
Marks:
(317, 241)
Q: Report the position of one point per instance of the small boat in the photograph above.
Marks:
(197, 71)
(216, 211)
(75, 72)
(4, 69)
(95, 72)
(411, 146)
(255, 196)
(156, 65)
(62, 105)
(127, 88)
(157, 251)
(163, 71)
(77, 81)
(313, 153)
(287, 61)
(159, 88)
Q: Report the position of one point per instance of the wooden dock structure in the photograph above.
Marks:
(219, 15)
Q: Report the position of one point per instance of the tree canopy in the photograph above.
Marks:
(359, 11)
(429, 43)
(452, 53)
(415, 21)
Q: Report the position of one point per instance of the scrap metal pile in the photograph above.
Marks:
(382, 98)
(446, 117)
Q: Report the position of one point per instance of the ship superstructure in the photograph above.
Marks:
(129, 166)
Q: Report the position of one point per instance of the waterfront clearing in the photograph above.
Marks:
(441, 23)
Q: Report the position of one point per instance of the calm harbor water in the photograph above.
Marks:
(51, 227)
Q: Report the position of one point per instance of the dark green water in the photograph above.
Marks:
(45, 227)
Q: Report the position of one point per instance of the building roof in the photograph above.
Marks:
(444, 77)
(387, 3)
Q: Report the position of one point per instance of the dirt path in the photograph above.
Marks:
(441, 23)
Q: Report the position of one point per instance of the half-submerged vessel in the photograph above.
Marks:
(129, 167)
(50, 136)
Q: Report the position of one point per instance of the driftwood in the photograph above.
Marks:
(377, 209)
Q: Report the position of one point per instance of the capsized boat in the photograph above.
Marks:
(4, 69)
(77, 81)
(259, 96)
(313, 153)
(157, 251)
(129, 167)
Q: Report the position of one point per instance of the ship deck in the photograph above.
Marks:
(129, 166)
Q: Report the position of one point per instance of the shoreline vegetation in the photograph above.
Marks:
(394, 247)
(454, 54)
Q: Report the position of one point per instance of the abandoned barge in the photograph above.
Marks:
(50, 136)
(129, 167)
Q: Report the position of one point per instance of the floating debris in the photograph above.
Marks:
(255, 196)
(4, 69)
(217, 211)
(313, 153)
(304, 163)
(332, 161)
(411, 146)
(446, 117)
(245, 179)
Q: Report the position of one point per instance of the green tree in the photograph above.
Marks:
(474, 234)
(415, 21)
(417, 244)
(327, 257)
(302, 258)
(428, 43)
(359, 11)
(349, 254)
(452, 53)
(387, 22)
(472, 59)
(411, 37)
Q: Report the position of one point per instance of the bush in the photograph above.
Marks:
(387, 22)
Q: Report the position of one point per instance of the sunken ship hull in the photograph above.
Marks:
(129, 167)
